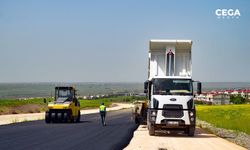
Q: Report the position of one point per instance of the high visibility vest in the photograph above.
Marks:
(102, 108)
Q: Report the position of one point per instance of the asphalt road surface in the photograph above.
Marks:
(88, 134)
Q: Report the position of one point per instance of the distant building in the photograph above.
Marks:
(235, 93)
(201, 97)
(219, 99)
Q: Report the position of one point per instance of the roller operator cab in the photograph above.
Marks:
(169, 87)
(65, 107)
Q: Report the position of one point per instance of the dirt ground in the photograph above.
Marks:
(28, 108)
(179, 141)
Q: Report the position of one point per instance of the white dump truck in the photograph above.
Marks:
(169, 87)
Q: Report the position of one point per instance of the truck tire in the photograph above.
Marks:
(47, 117)
(151, 130)
(191, 130)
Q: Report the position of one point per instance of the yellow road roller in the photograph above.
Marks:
(65, 107)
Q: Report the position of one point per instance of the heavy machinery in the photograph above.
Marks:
(140, 112)
(169, 87)
(65, 107)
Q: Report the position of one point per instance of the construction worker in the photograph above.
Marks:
(102, 110)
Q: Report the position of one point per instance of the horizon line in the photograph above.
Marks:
(112, 82)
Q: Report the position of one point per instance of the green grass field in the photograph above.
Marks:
(234, 117)
(12, 102)
(107, 101)
(9, 106)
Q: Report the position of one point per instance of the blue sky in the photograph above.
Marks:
(107, 41)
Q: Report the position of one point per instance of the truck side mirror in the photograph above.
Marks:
(146, 87)
(199, 91)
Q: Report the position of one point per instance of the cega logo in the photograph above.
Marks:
(227, 13)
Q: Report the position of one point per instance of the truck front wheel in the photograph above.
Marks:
(191, 130)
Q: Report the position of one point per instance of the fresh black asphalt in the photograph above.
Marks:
(89, 134)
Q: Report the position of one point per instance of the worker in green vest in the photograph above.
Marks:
(102, 110)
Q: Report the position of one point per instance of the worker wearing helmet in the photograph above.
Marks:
(102, 110)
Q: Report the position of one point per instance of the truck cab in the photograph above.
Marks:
(169, 87)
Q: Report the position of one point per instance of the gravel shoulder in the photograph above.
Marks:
(14, 118)
(239, 138)
(178, 141)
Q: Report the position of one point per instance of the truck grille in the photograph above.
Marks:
(174, 113)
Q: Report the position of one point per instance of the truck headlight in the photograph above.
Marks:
(191, 114)
(192, 119)
(153, 113)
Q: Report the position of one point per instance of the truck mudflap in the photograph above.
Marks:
(169, 122)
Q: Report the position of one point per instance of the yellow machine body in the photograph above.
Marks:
(65, 107)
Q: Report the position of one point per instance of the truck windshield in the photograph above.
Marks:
(172, 87)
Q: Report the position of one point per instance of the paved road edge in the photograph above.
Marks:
(15, 118)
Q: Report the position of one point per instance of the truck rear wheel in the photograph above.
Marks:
(151, 130)
(191, 130)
